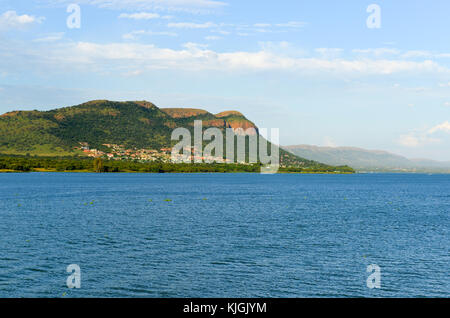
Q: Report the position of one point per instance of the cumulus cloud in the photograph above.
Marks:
(11, 20)
(279, 57)
(150, 56)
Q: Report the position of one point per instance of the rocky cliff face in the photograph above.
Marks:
(226, 119)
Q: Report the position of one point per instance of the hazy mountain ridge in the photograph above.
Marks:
(367, 160)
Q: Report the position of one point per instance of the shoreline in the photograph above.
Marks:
(172, 172)
(7, 171)
(10, 164)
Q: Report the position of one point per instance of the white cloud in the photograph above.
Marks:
(413, 140)
(52, 37)
(139, 16)
(191, 46)
(444, 127)
(190, 25)
(136, 34)
(264, 27)
(291, 24)
(421, 138)
(11, 20)
(271, 57)
(222, 32)
(417, 54)
(424, 54)
(133, 35)
(447, 104)
(212, 38)
(377, 52)
(413, 54)
(329, 52)
(409, 141)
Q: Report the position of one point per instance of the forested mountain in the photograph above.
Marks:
(138, 124)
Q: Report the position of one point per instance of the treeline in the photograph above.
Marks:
(30, 164)
(63, 164)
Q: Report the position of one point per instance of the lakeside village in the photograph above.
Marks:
(119, 152)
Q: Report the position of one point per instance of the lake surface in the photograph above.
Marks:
(224, 235)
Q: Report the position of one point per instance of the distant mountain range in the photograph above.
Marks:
(367, 160)
(137, 124)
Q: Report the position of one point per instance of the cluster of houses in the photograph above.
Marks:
(119, 152)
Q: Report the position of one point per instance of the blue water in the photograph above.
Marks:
(224, 235)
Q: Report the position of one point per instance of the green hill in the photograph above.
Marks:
(137, 125)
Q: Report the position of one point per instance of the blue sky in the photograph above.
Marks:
(314, 69)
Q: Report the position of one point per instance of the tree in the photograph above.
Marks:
(98, 165)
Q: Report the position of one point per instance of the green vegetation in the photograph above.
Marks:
(135, 125)
(57, 132)
(67, 164)
(98, 165)
(57, 137)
